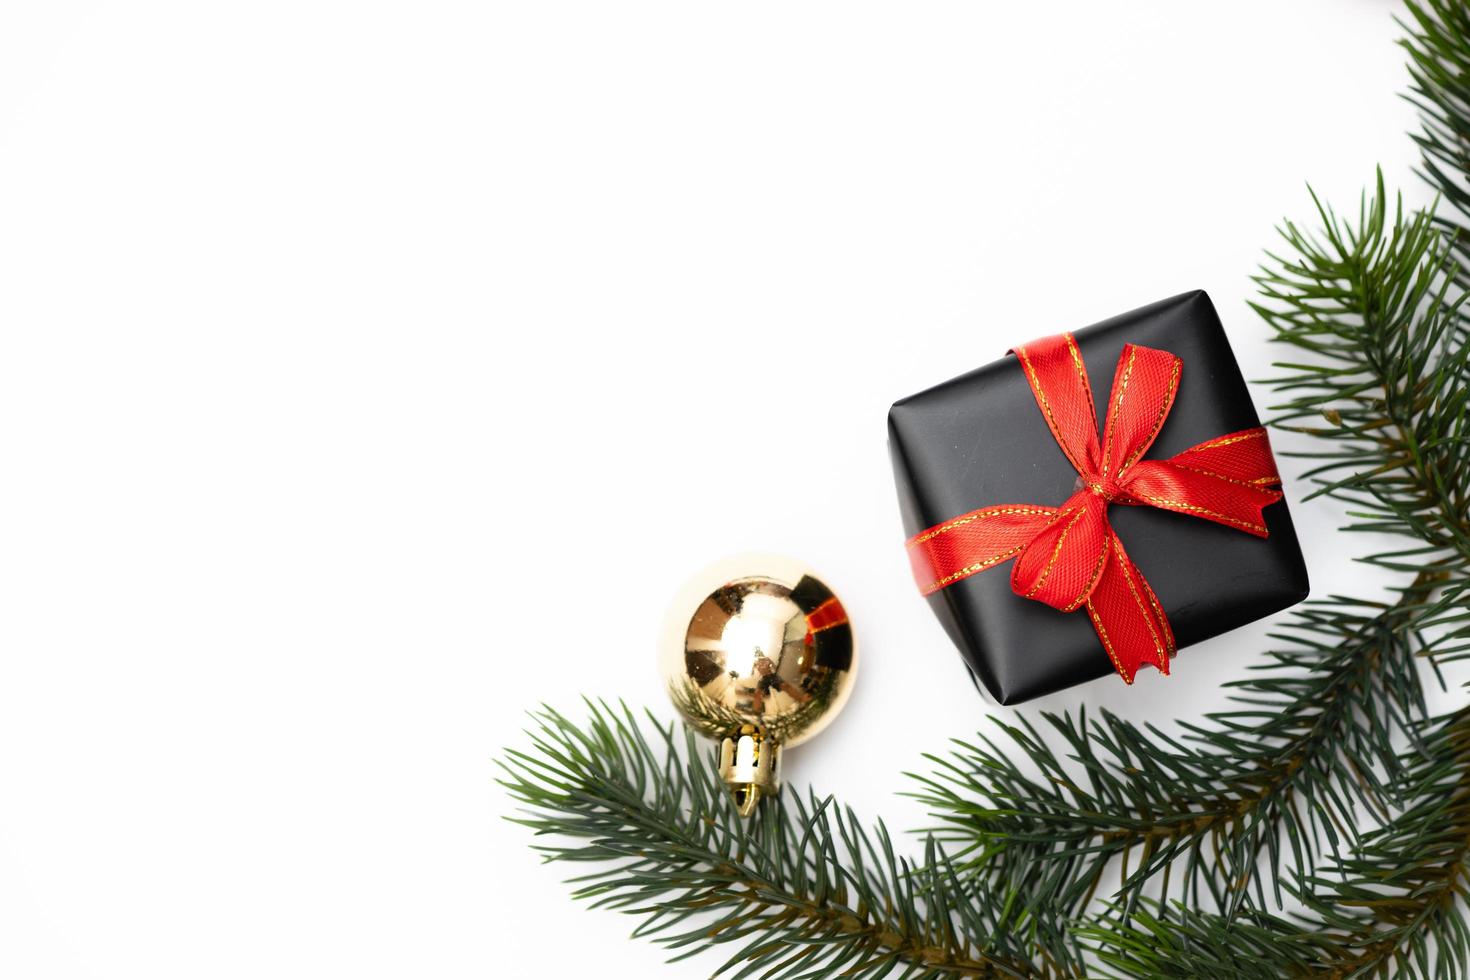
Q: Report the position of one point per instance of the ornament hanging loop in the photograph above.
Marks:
(750, 764)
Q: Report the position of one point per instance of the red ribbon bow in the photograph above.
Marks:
(1069, 557)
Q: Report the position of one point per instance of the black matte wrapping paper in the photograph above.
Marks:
(979, 439)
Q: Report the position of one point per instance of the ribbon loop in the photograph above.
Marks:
(1069, 556)
(1143, 392)
(1058, 380)
(1171, 486)
(1061, 565)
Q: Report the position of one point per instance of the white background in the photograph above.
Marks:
(373, 372)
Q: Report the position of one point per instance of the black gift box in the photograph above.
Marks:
(979, 439)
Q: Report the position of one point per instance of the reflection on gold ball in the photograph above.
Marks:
(758, 652)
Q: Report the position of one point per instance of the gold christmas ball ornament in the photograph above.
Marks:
(757, 653)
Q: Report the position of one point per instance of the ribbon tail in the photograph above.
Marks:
(1128, 618)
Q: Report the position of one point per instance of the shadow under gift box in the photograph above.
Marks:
(979, 440)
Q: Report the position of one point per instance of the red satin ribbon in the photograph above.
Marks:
(1069, 557)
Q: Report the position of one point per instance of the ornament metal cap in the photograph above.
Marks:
(757, 652)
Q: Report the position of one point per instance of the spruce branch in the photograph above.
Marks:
(1194, 815)
(1371, 302)
(1394, 907)
(801, 890)
(1438, 44)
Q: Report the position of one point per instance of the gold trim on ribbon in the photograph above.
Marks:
(978, 515)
